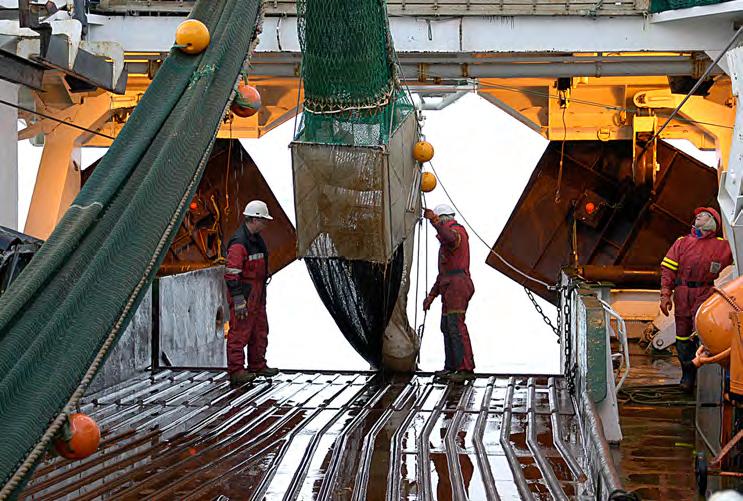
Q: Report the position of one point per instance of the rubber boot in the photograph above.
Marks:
(267, 372)
(686, 351)
(240, 378)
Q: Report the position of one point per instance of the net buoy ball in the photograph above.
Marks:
(247, 101)
(83, 438)
(192, 36)
(428, 182)
(423, 151)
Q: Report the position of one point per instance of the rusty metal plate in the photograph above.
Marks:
(630, 226)
(231, 179)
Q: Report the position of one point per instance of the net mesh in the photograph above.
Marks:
(77, 295)
(356, 202)
(367, 127)
(346, 54)
(360, 297)
(663, 5)
(355, 184)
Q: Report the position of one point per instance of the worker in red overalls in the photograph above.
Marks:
(688, 272)
(246, 274)
(456, 288)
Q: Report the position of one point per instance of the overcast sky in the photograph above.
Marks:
(484, 158)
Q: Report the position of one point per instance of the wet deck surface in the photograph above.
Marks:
(186, 435)
(656, 455)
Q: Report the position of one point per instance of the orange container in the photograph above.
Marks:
(714, 321)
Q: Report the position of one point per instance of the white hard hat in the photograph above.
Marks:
(257, 208)
(443, 209)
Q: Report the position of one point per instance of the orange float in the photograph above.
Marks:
(81, 437)
(423, 151)
(247, 101)
(192, 36)
(428, 182)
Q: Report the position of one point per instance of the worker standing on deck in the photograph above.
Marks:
(688, 272)
(246, 274)
(456, 288)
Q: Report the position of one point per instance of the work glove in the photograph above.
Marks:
(427, 302)
(241, 308)
(665, 304)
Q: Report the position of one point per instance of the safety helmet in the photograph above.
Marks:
(257, 208)
(443, 210)
(713, 213)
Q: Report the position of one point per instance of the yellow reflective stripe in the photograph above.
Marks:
(669, 266)
(668, 259)
(683, 338)
(720, 238)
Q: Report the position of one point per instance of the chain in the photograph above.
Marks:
(564, 321)
(571, 368)
(541, 312)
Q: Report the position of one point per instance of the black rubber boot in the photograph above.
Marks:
(686, 351)
(240, 378)
(267, 372)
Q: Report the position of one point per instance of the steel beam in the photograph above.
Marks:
(406, 8)
(58, 179)
(458, 66)
(21, 71)
(465, 34)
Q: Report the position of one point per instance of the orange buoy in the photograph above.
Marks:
(194, 206)
(428, 182)
(81, 437)
(247, 101)
(590, 208)
(423, 151)
(714, 324)
(192, 36)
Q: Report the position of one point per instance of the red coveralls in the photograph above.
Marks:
(456, 289)
(688, 271)
(246, 274)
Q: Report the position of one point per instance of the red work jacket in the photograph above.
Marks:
(454, 252)
(246, 270)
(689, 269)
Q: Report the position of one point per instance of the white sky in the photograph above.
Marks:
(484, 158)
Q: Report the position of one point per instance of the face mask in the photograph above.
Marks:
(705, 224)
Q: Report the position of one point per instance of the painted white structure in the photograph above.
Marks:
(8, 156)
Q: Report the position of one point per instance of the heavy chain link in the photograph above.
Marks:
(544, 315)
(571, 367)
(564, 321)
